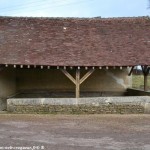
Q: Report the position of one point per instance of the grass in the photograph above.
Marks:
(138, 81)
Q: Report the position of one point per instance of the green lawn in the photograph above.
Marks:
(138, 81)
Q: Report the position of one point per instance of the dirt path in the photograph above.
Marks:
(75, 132)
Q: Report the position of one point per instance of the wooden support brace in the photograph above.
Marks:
(147, 71)
(68, 75)
(86, 75)
(144, 69)
(77, 81)
(131, 71)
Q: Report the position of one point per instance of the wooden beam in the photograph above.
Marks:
(144, 69)
(77, 83)
(86, 75)
(131, 71)
(68, 75)
(147, 71)
(145, 82)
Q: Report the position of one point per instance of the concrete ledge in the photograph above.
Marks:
(112, 105)
(137, 92)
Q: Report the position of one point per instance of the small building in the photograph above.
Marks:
(71, 57)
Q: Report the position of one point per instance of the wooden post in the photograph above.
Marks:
(77, 83)
(146, 79)
(145, 82)
(145, 70)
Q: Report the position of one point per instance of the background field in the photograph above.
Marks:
(138, 81)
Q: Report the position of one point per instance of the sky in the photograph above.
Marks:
(75, 8)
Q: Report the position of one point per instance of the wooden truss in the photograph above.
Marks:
(77, 80)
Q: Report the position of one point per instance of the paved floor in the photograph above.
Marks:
(75, 132)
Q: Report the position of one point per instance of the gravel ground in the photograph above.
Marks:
(75, 132)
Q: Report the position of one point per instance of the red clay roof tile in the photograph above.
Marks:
(75, 41)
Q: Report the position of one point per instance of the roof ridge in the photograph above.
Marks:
(78, 18)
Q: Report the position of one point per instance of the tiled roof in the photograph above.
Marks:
(75, 41)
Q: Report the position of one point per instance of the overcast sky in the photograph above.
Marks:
(74, 8)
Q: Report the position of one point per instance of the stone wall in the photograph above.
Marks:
(80, 109)
(100, 105)
(7, 86)
(112, 80)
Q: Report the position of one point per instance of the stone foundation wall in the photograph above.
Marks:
(101, 105)
(80, 109)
